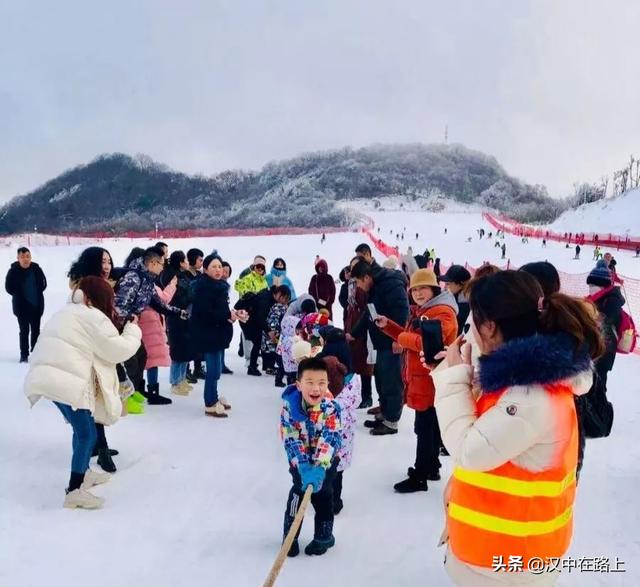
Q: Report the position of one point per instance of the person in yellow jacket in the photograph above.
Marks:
(251, 281)
(511, 430)
(255, 280)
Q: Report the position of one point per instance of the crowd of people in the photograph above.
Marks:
(506, 375)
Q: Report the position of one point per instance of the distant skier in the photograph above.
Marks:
(637, 251)
(544, 243)
(504, 250)
(445, 231)
(577, 251)
(417, 236)
(324, 238)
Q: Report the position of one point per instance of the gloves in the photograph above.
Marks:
(311, 475)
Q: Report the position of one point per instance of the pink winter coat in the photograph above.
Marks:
(154, 333)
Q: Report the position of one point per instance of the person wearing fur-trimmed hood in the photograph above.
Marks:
(511, 429)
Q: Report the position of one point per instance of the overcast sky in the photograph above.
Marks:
(550, 87)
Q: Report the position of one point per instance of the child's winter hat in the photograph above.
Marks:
(600, 275)
(301, 349)
(311, 322)
(259, 260)
(391, 262)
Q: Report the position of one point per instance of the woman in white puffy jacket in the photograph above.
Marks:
(512, 431)
(74, 365)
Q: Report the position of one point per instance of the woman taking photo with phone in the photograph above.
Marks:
(512, 432)
(428, 302)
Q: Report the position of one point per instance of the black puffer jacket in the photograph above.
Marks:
(609, 303)
(15, 284)
(178, 330)
(258, 306)
(210, 327)
(389, 296)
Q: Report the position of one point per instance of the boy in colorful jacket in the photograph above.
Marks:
(311, 432)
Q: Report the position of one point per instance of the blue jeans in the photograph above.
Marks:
(84, 436)
(152, 376)
(214, 370)
(177, 372)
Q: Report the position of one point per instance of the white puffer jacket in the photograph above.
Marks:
(519, 428)
(74, 362)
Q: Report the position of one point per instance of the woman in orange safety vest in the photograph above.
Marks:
(511, 430)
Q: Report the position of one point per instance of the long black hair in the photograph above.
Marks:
(89, 263)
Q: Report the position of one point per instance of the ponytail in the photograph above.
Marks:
(515, 302)
(562, 313)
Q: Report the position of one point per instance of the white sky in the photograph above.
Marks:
(550, 87)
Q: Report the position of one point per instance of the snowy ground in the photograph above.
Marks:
(199, 501)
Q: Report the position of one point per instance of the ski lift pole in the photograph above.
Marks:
(288, 541)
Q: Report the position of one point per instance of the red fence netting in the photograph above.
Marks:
(573, 284)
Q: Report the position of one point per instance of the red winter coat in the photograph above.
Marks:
(323, 287)
(419, 388)
(154, 334)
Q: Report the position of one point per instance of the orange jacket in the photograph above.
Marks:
(511, 511)
(419, 388)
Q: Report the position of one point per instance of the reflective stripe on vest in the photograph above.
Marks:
(510, 511)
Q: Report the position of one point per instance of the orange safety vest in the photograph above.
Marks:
(511, 512)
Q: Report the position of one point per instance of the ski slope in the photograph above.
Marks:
(619, 215)
(199, 501)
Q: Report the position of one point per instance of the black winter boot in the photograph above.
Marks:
(112, 452)
(191, 378)
(199, 373)
(105, 461)
(154, 398)
(414, 483)
(323, 539)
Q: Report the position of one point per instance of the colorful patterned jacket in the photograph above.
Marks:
(311, 434)
(274, 320)
(136, 291)
(348, 399)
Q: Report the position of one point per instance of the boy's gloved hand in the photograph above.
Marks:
(312, 475)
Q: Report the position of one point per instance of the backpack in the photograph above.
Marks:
(627, 334)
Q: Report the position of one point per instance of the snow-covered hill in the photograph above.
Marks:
(619, 215)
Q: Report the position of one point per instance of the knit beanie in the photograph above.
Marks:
(259, 260)
(600, 275)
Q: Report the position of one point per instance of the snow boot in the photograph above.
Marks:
(81, 498)
(216, 410)
(191, 378)
(92, 478)
(323, 539)
(134, 407)
(280, 383)
(199, 373)
(138, 397)
(382, 430)
(254, 371)
(112, 452)
(226, 370)
(414, 483)
(154, 398)
(373, 423)
(374, 411)
(224, 402)
(295, 545)
(24, 358)
(105, 462)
